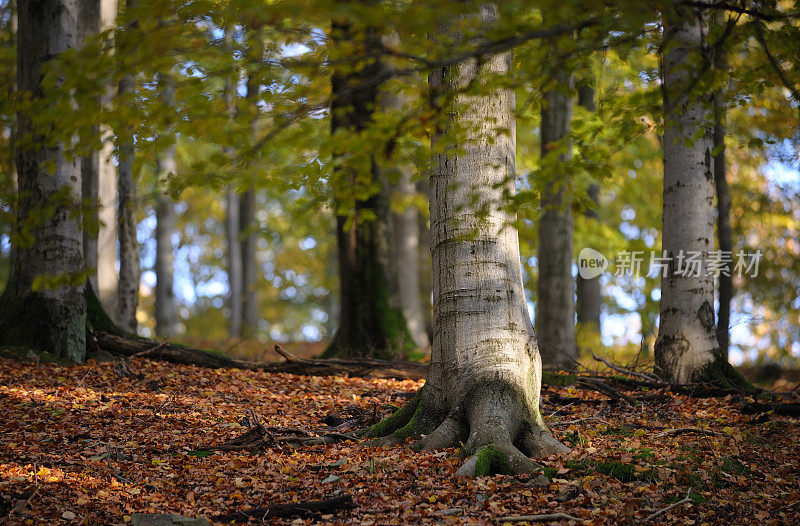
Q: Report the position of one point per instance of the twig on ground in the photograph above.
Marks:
(684, 430)
(623, 370)
(289, 357)
(671, 506)
(546, 517)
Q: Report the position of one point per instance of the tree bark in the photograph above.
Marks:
(129, 268)
(484, 379)
(687, 345)
(166, 167)
(588, 290)
(371, 321)
(42, 306)
(555, 304)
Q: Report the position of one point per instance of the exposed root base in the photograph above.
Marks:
(494, 442)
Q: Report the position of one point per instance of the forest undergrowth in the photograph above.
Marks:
(103, 442)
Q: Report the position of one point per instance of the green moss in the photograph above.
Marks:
(491, 461)
(623, 431)
(720, 373)
(549, 472)
(96, 317)
(399, 420)
(551, 378)
(617, 470)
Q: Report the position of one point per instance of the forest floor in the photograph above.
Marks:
(89, 445)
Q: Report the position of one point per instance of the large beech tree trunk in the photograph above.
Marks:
(41, 307)
(587, 291)
(687, 345)
(371, 321)
(484, 378)
(555, 303)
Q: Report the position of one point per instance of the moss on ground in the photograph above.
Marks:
(551, 378)
(491, 461)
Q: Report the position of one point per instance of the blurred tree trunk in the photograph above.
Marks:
(724, 230)
(555, 305)
(49, 316)
(371, 319)
(588, 290)
(687, 349)
(166, 167)
(405, 222)
(247, 217)
(99, 174)
(424, 257)
(129, 270)
(233, 223)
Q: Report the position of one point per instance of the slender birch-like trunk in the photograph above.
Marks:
(166, 167)
(555, 303)
(687, 343)
(484, 380)
(41, 306)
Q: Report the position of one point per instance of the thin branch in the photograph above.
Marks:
(768, 16)
(671, 506)
(625, 371)
(774, 62)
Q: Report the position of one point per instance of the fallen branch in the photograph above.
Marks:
(169, 352)
(293, 509)
(547, 517)
(671, 506)
(684, 430)
(623, 370)
(777, 408)
(606, 390)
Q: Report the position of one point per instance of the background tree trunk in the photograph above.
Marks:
(234, 261)
(588, 290)
(166, 167)
(405, 223)
(51, 317)
(724, 231)
(129, 268)
(371, 321)
(406, 248)
(687, 340)
(484, 379)
(555, 303)
(99, 174)
(247, 217)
